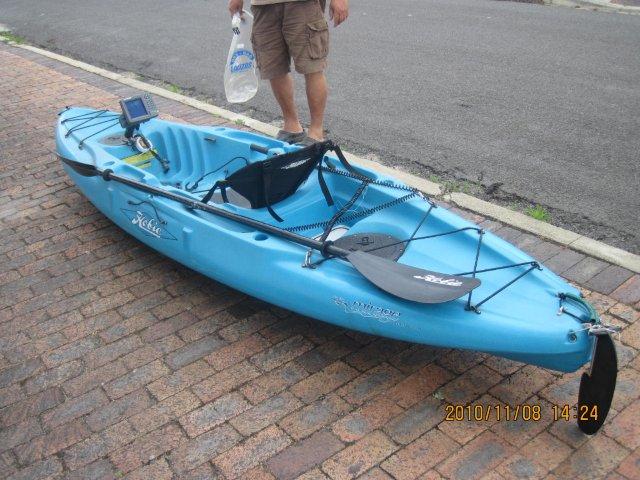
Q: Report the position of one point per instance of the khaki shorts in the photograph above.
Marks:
(290, 30)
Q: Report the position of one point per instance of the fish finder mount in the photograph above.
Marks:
(135, 111)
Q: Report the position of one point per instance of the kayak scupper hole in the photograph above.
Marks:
(260, 237)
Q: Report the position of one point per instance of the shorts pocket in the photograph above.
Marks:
(318, 39)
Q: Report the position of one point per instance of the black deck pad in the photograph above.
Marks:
(411, 283)
(596, 388)
(373, 243)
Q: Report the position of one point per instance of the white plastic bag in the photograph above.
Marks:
(240, 79)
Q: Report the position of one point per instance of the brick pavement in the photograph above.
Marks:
(118, 363)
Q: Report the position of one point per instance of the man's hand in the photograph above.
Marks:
(235, 6)
(338, 11)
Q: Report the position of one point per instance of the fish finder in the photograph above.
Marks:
(136, 110)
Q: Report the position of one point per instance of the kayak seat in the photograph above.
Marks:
(267, 182)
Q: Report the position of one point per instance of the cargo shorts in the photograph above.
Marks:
(290, 30)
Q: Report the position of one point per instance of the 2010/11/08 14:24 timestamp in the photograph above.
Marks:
(512, 413)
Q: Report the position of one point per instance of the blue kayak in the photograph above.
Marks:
(303, 229)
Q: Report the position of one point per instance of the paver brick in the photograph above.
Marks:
(112, 351)
(521, 385)
(98, 445)
(213, 414)
(420, 455)
(371, 416)
(193, 351)
(202, 448)
(415, 421)
(71, 351)
(236, 352)
(546, 450)
(608, 279)
(31, 407)
(470, 385)
(359, 457)
(98, 470)
(307, 420)
(369, 384)
(325, 354)
(273, 382)
(324, 381)
(476, 458)
(52, 442)
(166, 386)
(584, 270)
(19, 372)
(253, 451)
(164, 411)
(225, 381)
(92, 378)
(158, 470)
(625, 427)
(247, 326)
(375, 353)
(118, 410)
(147, 447)
(629, 291)
(590, 461)
(418, 385)
(304, 455)
(74, 408)
(135, 379)
(19, 433)
(47, 468)
(281, 353)
(630, 467)
(265, 413)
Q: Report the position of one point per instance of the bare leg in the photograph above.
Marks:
(283, 91)
(316, 85)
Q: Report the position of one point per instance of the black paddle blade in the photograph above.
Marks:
(81, 168)
(411, 283)
(596, 389)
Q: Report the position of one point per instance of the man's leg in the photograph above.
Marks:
(282, 87)
(316, 86)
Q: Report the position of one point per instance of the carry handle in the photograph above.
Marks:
(259, 148)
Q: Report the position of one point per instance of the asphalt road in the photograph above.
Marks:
(544, 100)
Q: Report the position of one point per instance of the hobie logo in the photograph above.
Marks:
(439, 280)
(148, 223)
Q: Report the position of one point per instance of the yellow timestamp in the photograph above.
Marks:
(479, 412)
(513, 413)
(583, 413)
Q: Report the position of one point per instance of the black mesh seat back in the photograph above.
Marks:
(272, 180)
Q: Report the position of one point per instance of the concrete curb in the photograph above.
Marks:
(518, 220)
(602, 5)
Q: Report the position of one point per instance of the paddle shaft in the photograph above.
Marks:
(197, 205)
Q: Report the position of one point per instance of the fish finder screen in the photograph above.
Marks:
(136, 108)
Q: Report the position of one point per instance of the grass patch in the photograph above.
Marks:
(538, 212)
(463, 186)
(11, 38)
(174, 88)
(239, 122)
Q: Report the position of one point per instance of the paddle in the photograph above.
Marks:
(403, 281)
(408, 282)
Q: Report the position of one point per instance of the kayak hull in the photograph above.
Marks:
(521, 323)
